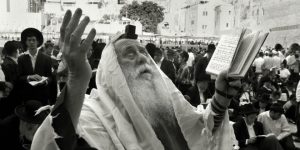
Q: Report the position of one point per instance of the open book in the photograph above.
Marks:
(236, 53)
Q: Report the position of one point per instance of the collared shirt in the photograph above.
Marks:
(159, 63)
(33, 58)
(279, 127)
(250, 129)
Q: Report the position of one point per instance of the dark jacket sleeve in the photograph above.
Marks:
(63, 126)
(2, 86)
(10, 72)
(239, 133)
(21, 70)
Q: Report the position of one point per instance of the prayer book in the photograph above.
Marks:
(236, 53)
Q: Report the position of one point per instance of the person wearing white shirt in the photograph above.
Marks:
(250, 133)
(258, 62)
(284, 73)
(276, 59)
(274, 122)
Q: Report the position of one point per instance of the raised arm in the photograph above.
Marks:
(225, 90)
(75, 56)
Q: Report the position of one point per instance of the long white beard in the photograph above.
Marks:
(151, 97)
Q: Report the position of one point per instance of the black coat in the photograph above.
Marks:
(8, 104)
(10, 134)
(42, 68)
(241, 131)
(10, 70)
(193, 93)
(169, 69)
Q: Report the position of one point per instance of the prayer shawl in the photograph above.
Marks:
(111, 120)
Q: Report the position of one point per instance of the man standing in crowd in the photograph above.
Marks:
(258, 63)
(250, 133)
(10, 70)
(142, 105)
(275, 122)
(165, 65)
(34, 66)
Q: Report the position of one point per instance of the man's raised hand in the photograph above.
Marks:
(74, 53)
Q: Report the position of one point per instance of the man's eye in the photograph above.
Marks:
(130, 55)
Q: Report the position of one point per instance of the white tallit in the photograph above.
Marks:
(111, 120)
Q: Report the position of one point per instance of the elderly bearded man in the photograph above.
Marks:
(135, 106)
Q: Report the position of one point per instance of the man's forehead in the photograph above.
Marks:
(126, 42)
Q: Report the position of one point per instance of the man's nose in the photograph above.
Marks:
(141, 59)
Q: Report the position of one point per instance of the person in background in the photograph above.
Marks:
(10, 70)
(17, 130)
(250, 133)
(150, 47)
(284, 73)
(183, 79)
(297, 114)
(278, 47)
(258, 63)
(201, 91)
(165, 65)
(274, 122)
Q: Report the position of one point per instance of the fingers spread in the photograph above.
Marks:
(73, 24)
(88, 41)
(64, 24)
(76, 35)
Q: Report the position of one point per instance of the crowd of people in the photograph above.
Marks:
(32, 80)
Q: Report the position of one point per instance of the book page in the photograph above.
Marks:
(254, 51)
(242, 53)
(223, 55)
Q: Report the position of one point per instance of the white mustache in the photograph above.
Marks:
(144, 69)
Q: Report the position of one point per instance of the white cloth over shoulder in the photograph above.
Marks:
(111, 120)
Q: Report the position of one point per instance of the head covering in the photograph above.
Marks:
(278, 47)
(27, 112)
(211, 48)
(113, 89)
(32, 31)
(150, 47)
(276, 107)
(248, 109)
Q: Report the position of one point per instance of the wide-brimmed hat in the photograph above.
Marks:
(248, 109)
(27, 111)
(32, 31)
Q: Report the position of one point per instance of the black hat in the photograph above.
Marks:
(211, 48)
(248, 109)
(276, 107)
(29, 32)
(129, 32)
(26, 112)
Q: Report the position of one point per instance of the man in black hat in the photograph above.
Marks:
(34, 66)
(250, 133)
(275, 122)
(17, 130)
